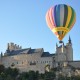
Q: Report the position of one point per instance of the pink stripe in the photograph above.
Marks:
(50, 14)
(48, 20)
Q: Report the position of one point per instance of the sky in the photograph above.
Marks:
(23, 22)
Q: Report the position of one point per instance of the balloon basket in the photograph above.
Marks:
(60, 42)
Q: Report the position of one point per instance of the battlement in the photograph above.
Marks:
(11, 46)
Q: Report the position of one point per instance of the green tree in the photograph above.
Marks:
(22, 76)
(50, 75)
(32, 75)
(2, 69)
(13, 72)
(41, 76)
(37, 75)
(9, 78)
(75, 77)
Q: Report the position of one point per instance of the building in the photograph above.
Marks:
(38, 60)
(26, 59)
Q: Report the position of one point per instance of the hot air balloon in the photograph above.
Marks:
(60, 19)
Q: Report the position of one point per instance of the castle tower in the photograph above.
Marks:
(12, 46)
(60, 53)
(69, 50)
(8, 46)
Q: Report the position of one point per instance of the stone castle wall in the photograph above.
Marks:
(27, 62)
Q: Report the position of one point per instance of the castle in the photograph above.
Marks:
(38, 60)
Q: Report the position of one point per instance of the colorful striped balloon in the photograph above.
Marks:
(60, 19)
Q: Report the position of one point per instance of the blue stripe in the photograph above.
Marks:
(58, 15)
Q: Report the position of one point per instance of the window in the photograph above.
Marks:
(32, 63)
(12, 64)
(54, 60)
(17, 62)
(22, 62)
(47, 61)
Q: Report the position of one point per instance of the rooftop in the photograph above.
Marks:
(28, 51)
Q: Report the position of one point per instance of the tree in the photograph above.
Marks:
(23, 75)
(75, 77)
(37, 75)
(50, 75)
(9, 78)
(32, 75)
(42, 76)
(13, 72)
(2, 76)
(2, 69)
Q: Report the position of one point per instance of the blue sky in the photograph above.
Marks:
(23, 22)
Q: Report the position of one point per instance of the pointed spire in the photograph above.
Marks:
(69, 41)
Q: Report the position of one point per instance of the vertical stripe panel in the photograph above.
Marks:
(66, 14)
(72, 18)
(55, 15)
(69, 16)
(73, 21)
(51, 19)
(48, 20)
(61, 15)
(58, 15)
(68, 19)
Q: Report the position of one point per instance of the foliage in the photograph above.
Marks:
(2, 69)
(13, 74)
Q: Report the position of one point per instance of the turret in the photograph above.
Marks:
(69, 50)
(12, 46)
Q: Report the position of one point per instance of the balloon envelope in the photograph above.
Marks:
(60, 19)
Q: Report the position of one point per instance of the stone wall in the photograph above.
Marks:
(26, 62)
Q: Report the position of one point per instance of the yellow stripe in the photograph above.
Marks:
(60, 36)
(73, 21)
(64, 29)
(68, 17)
